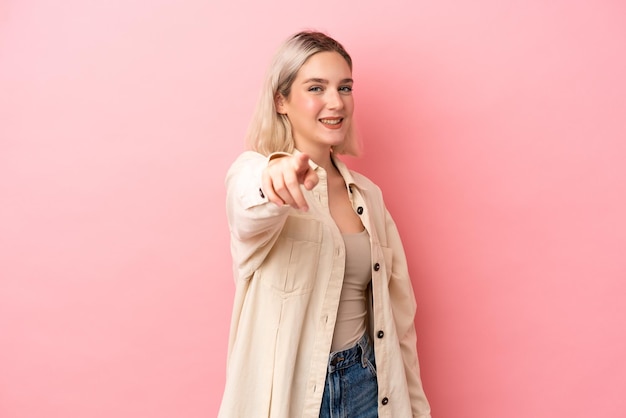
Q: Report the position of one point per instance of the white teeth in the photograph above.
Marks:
(331, 121)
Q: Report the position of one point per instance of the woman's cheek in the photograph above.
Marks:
(312, 104)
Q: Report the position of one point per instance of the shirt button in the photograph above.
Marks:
(385, 401)
(261, 194)
(376, 267)
(359, 210)
(380, 334)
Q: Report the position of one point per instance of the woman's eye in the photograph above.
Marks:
(345, 89)
(315, 88)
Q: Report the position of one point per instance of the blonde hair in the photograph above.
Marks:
(270, 131)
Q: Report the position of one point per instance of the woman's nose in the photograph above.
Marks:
(334, 100)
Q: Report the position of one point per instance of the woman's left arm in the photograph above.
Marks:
(404, 309)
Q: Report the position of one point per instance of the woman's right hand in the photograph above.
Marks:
(282, 179)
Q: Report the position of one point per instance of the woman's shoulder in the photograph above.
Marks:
(357, 178)
(247, 159)
(366, 185)
(361, 179)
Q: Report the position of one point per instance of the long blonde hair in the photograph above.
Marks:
(270, 131)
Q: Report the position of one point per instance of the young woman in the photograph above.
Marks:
(323, 315)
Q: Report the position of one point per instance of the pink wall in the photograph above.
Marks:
(496, 129)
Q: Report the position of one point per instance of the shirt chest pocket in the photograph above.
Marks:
(291, 266)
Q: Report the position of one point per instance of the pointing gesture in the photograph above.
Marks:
(282, 179)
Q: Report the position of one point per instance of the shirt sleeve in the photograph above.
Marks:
(404, 309)
(253, 220)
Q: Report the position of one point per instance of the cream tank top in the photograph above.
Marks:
(352, 312)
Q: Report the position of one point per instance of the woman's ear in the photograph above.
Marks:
(279, 101)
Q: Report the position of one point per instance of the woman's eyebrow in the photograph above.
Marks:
(315, 80)
(323, 81)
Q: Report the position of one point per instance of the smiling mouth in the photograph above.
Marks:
(333, 121)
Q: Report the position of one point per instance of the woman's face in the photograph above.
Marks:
(320, 104)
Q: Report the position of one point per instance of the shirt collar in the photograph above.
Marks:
(347, 174)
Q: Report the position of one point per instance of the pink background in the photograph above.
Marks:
(497, 130)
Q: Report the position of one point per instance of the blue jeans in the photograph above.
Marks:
(351, 389)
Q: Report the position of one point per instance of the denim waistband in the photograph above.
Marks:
(358, 353)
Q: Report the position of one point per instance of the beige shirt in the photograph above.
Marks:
(289, 268)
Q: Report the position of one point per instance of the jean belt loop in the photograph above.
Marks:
(363, 345)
